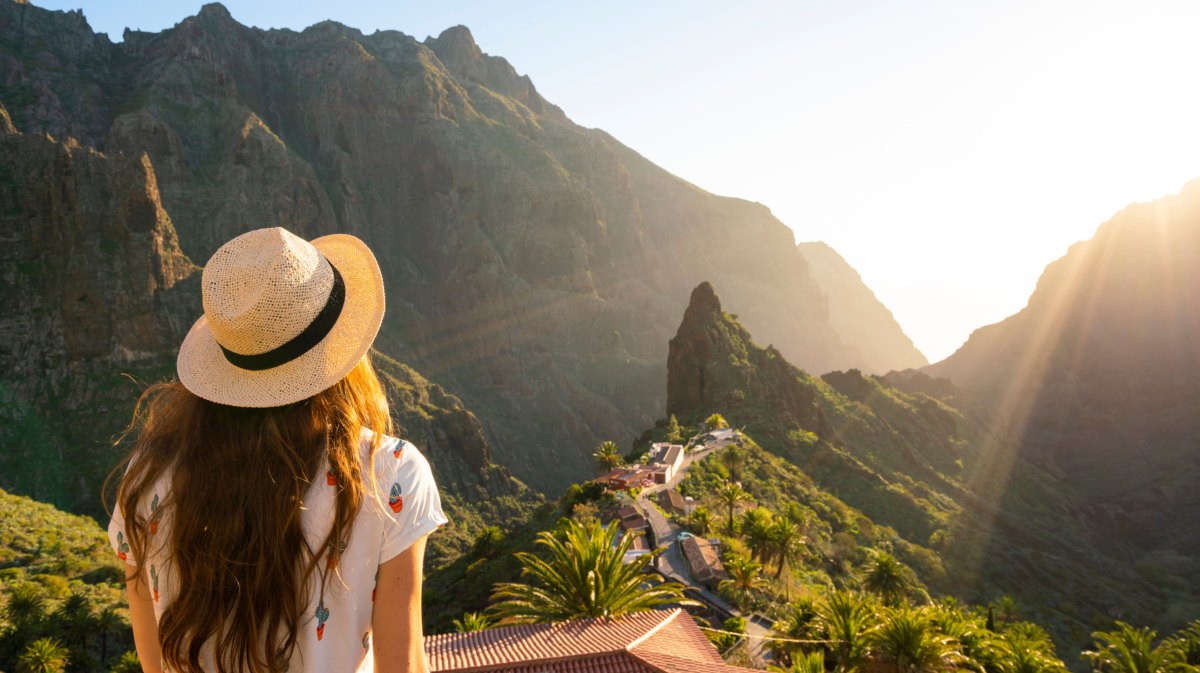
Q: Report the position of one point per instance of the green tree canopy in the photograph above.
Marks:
(731, 494)
(472, 621)
(1127, 649)
(745, 576)
(910, 641)
(608, 456)
(44, 655)
(582, 575)
(886, 577)
(715, 422)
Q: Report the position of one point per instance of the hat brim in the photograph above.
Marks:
(204, 371)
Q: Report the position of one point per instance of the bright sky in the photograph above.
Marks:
(948, 150)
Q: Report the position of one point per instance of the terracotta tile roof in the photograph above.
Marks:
(672, 499)
(702, 559)
(634, 523)
(656, 641)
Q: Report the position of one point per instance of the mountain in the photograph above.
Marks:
(533, 267)
(94, 298)
(857, 315)
(1098, 377)
(916, 455)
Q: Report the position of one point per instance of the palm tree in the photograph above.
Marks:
(1132, 650)
(910, 641)
(786, 543)
(756, 528)
(744, 579)
(731, 494)
(608, 456)
(1026, 648)
(812, 662)
(1187, 641)
(715, 422)
(798, 623)
(108, 622)
(732, 457)
(701, 520)
(887, 578)
(25, 612)
(472, 621)
(487, 542)
(584, 576)
(848, 619)
(73, 620)
(44, 655)
(977, 643)
(128, 663)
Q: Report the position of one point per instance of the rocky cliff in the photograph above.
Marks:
(93, 293)
(857, 315)
(91, 275)
(1098, 377)
(533, 267)
(941, 476)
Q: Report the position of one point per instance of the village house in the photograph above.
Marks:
(630, 476)
(704, 563)
(673, 502)
(666, 461)
(654, 641)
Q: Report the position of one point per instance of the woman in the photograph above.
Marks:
(267, 520)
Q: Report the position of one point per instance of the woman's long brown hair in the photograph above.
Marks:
(239, 558)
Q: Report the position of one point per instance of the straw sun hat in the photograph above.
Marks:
(284, 318)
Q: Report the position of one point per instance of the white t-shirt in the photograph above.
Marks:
(336, 637)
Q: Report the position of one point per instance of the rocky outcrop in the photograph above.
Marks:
(90, 278)
(533, 267)
(857, 314)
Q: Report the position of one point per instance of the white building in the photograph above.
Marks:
(667, 458)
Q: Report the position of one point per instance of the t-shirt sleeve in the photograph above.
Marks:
(413, 505)
(117, 537)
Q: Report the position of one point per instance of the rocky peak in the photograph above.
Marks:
(704, 301)
(215, 10)
(713, 365)
(456, 49)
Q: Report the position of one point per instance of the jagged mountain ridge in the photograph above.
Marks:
(1098, 377)
(937, 474)
(858, 315)
(532, 266)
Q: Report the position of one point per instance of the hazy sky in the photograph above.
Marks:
(948, 150)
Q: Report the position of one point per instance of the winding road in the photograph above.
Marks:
(671, 564)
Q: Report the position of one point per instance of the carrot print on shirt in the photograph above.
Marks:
(155, 515)
(123, 546)
(322, 615)
(154, 577)
(395, 501)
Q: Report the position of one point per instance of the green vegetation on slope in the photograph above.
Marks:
(62, 589)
